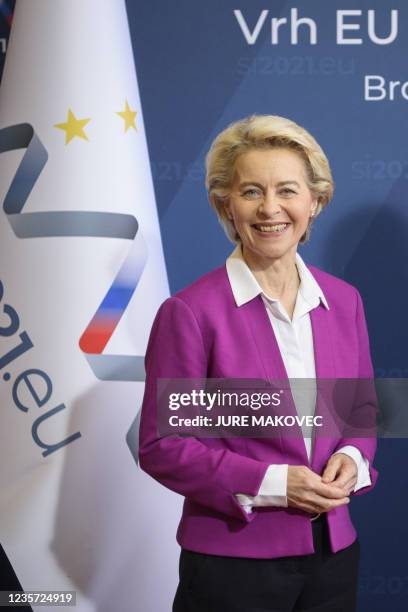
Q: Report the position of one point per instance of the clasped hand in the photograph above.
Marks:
(313, 493)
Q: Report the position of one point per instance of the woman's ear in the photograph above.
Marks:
(228, 211)
(314, 208)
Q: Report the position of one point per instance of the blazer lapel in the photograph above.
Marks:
(325, 369)
(262, 333)
(274, 371)
(322, 341)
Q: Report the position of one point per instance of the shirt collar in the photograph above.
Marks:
(245, 286)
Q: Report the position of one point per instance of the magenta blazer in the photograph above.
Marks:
(200, 332)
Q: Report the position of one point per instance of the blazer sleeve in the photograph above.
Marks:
(365, 408)
(186, 465)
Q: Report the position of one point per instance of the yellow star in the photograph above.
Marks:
(129, 116)
(73, 127)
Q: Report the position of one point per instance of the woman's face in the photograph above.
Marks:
(270, 203)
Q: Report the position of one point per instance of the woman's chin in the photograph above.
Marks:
(271, 251)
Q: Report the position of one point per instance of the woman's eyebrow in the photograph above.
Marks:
(246, 183)
(288, 182)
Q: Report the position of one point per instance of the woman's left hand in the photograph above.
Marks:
(341, 470)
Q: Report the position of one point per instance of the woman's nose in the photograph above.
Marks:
(269, 205)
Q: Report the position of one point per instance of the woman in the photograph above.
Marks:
(265, 523)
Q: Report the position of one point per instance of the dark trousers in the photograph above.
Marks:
(321, 582)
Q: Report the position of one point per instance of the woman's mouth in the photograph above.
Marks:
(270, 229)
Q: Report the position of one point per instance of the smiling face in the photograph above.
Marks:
(270, 203)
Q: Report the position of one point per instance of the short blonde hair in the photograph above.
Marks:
(264, 132)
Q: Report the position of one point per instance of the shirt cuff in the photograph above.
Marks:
(363, 466)
(272, 492)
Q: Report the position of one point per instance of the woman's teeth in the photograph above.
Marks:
(279, 227)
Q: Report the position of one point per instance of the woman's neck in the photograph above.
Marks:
(279, 278)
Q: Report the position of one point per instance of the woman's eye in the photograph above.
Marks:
(252, 193)
(287, 190)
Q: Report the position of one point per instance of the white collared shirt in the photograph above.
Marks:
(295, 341)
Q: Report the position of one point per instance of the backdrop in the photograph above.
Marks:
(198, 72)
(341, 73)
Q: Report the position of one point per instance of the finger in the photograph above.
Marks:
(348, 486)
(306, 508)
(346, 475)
(303, 505)
(317, 505)
(329, 491)
(331, 470)
(338, 502)
(323, 504)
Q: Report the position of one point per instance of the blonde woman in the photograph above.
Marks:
(265, 523)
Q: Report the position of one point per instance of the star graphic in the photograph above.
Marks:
(129, 116)
(73, 127)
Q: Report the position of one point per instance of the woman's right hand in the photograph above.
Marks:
(306, 491)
